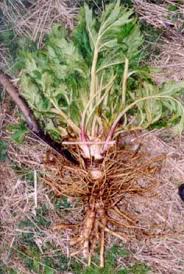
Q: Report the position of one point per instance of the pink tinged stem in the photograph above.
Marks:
(109, 137)
(85, 147)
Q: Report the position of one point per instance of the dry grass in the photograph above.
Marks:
(160, 16)
(164, 211)
(4, 58)
(37, 19)
(19, 202)
(22, 199)
(170, 61)
(158, 213)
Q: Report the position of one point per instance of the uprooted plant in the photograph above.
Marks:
(86, 88)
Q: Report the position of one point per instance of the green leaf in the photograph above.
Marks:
(48, 270)
(76, 80)
(3, 150)
(114, 252)
(172, 88)
(36, 266)
(139, 268)
(172, 7)
(90, 26)
(18, 132)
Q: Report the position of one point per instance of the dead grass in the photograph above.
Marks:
(37, 19)
(4, 58)
(159, 214)
(161, 15)
(21, 201)
(170, 60)
(164, 211)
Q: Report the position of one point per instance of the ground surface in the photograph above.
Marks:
(29, 209)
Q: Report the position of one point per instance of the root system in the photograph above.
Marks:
(123, 172)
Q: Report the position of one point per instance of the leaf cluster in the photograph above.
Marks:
(92, 79)
(18, 132)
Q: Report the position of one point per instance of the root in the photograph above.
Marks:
(88, 227)
(121, 173)
(124, 215)
(102, 247)
(118, 224)
(65, 226)
(115, 234)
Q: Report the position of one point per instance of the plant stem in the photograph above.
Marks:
(70, 123)
(124, 82)
(93, 73)
(115, 123)
(107, 88)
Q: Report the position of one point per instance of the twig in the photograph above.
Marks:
(5, 81)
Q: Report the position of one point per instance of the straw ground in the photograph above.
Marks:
(33, 19)
(151, 222)
(166, 17)
(160, 211)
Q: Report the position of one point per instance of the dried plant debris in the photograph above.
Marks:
(167, 56)
(4, 57)
(169, 63)
(87, 97)
(151, 226)
(33, 19)
(123, 190)
(167, 15)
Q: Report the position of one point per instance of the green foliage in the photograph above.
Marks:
(92, 78)
(57, 78)
(3, 150)
(51, 260)
(36, 261)
(8, 270)
(111, 266)
(62, 203)
(172, 7)
(41, 219)
(152, 38)
(24, 173)
(18, 132)
(32, 259)
(138, 269)
(14, 45)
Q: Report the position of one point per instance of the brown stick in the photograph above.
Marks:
(5, 81)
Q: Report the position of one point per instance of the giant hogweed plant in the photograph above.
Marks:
(86, 88)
